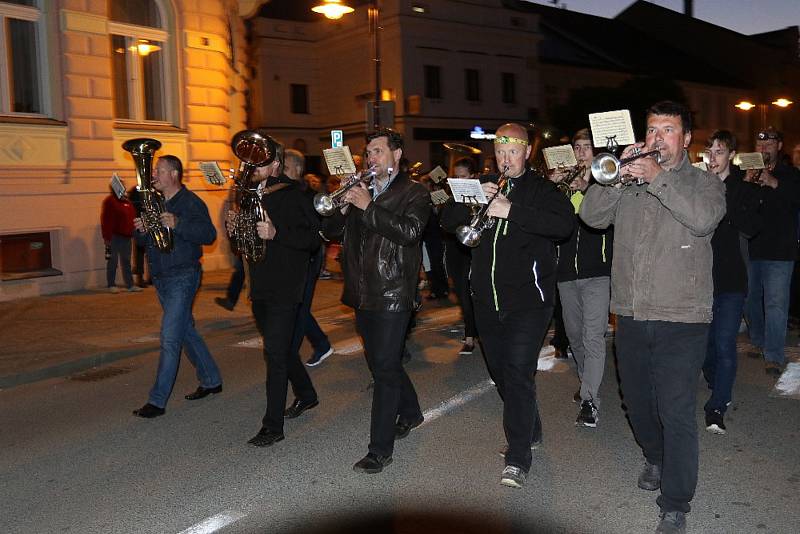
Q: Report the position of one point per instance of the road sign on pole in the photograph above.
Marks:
(337, 138)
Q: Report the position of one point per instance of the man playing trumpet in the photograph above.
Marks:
(661, 291)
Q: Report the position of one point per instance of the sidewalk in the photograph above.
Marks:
(57, 335)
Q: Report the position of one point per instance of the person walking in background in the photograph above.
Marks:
(116, 223)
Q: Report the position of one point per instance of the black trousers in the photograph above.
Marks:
(659, 365)
(511, 343)
(276, 325)
(393, 397)
(459, 260)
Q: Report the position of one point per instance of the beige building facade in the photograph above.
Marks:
(79, 77)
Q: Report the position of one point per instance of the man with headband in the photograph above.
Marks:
(513, 281)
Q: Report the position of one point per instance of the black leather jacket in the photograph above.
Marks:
(381, 251)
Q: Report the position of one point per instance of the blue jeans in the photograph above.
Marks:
(767, 307)
(176, 293)
(720, 364)
(120, 248)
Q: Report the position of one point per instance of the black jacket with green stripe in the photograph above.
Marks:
(514, 265)
(588, 251)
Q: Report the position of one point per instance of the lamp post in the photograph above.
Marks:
(334, 9)
(782, 103)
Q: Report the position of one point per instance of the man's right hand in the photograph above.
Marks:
(230, 217)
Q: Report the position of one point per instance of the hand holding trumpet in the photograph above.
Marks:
(643, 169)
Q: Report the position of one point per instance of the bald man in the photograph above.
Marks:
(513, 281)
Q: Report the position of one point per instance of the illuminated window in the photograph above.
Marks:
(22, 58)
(140, 52)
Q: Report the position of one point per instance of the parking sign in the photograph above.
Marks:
(337, 138)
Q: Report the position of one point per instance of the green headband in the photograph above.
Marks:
(506, 140)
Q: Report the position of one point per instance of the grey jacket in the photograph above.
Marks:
(662, 243)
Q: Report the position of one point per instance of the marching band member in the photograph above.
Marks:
(382, 227)
(584, 285)
(661, 291)
(513, 281)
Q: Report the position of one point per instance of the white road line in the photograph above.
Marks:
(789, 383)
(457, 400)
(215, 523)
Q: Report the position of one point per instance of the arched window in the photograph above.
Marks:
(140, 52)
(23, 56)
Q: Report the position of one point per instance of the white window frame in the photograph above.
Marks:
(134, 83)
(32, 14)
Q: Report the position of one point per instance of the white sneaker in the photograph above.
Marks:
(135, 289)
(113, 289)
(512, 476)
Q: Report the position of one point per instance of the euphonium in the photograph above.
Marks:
(470, 234)
(326, 204)
(150, 203)
(253, 150)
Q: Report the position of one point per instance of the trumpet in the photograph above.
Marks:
(606, 167)
(326, 204)
(470, 234)
(564, 184)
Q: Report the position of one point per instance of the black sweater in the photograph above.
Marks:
(778, 240)
(742, 218)
(514, 265)
(280, 276)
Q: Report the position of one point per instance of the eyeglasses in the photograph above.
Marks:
(763, 136)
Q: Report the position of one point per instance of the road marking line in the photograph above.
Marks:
(457, 400)
(789, 383)
(215, 522)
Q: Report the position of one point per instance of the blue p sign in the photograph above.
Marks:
(337, 138)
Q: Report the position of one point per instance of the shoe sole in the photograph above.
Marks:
(715, 429)
(647, 487)
(321, 359)
(510, 483)
(584, 424)
(371, 471)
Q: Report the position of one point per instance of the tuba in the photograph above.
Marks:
(470, 234)
(253, 150)
(150, 203)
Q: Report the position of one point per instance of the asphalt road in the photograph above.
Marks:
(75, 460)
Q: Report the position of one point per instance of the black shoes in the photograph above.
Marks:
(715, 422)
(225, 303)
(402, 428)
(148, 411)
(265, 438)
(650, 477)
(202, 392)
(372, 463)
(467, 349)
(671, 523)
(298, 407)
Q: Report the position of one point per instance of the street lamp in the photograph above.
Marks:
(782, 102)
(334, 9)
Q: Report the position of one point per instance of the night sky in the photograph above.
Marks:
(743, 16)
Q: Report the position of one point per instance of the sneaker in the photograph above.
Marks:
(318, 357)
(466, 349)
(135, 289)
(113, 289)
(325, 275)
(650, 477)
(513, 476)
(588, 415)
(714, 422)
(671, 523)
(773, 369)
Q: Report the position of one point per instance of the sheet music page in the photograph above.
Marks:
(339, 160)
(117, 186)
(437, 174)
(749, 160)
(212, 173)
(467, 190)
(439, 196)
(611, 124)
(559, 156)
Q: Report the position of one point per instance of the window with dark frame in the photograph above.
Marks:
(433, 81)
(299, 98)
(472, 85)
(509, 88)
